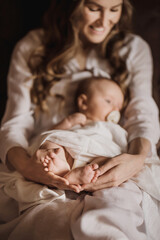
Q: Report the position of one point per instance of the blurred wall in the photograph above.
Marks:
(147, 24)
(17, 17)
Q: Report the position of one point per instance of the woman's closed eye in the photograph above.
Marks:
(93, 8)
(115, 9)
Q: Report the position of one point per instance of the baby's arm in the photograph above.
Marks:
(70, 121)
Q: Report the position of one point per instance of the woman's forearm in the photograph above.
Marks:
(139, 146)
(17, 159)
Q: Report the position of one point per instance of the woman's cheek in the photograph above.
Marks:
(117, 18)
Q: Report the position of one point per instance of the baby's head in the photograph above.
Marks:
(97, 97)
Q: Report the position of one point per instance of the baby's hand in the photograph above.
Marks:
(77, 118)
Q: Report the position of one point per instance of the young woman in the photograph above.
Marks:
(80, 38)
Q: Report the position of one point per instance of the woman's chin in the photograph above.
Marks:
(96, 40)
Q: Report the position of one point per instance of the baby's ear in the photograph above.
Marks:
(82, 102)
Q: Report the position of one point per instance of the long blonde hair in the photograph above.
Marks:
(60, 43)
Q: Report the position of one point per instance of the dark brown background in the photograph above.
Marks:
(17, 17)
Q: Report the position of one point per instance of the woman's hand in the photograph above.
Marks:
(49, 178)
(119, 169)
(32, 169)
(116, 171)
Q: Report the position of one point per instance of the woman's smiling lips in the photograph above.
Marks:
(97, 30)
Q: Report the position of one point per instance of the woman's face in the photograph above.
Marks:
(99, 17)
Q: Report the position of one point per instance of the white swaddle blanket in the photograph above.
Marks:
(83, 143)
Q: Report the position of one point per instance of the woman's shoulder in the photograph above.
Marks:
(34, 35)
(136, 42)
(137, 46)
(30, 41)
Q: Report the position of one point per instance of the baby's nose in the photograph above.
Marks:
(115, 108)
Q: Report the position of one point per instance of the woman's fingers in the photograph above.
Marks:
(92, 187)
(110, 163)
(76, 188)
(101, 183)
(36, 173)
(55, 179)
(116, 171)
(61, 183)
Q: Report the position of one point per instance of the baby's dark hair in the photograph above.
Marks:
(85, 85)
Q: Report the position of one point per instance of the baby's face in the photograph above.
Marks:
(105, 96)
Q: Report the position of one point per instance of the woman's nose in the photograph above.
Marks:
(105, 18)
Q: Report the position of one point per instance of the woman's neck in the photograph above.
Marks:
(81, 57)
(82, 53)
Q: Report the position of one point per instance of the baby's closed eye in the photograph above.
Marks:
(108, 100)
